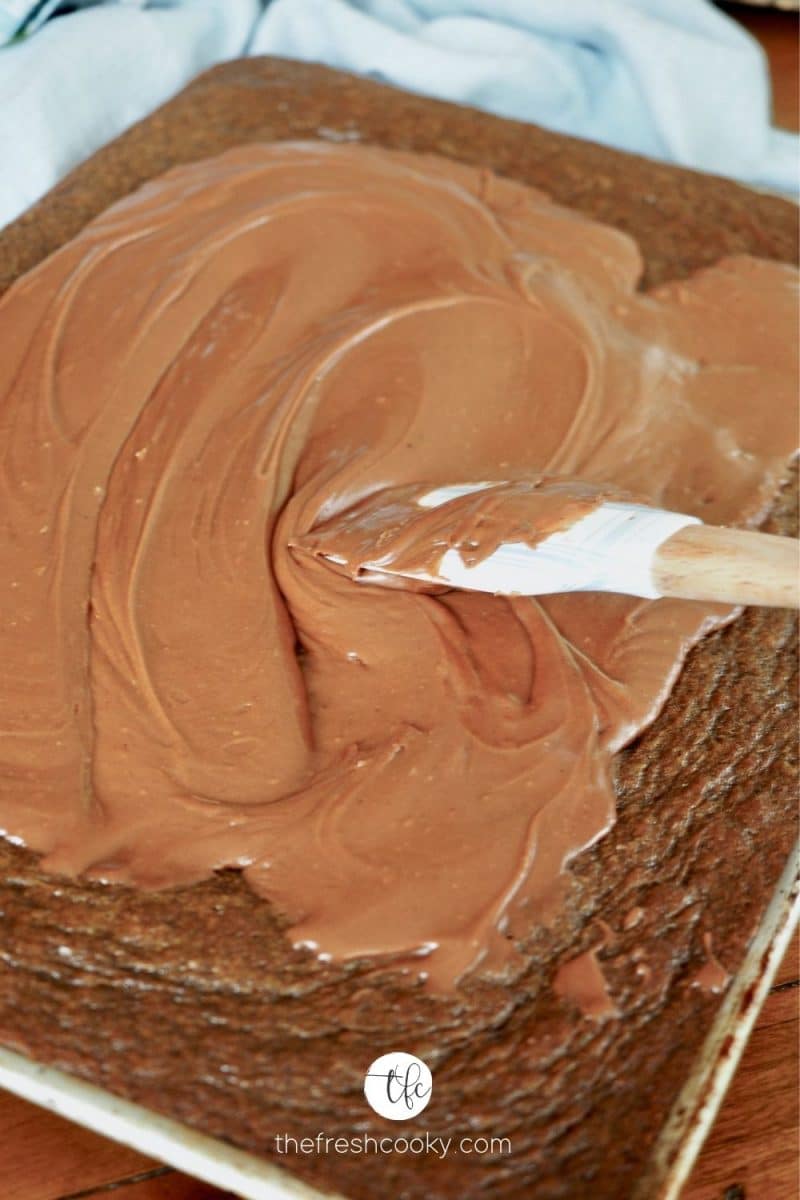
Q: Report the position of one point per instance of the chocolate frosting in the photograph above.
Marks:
(711, 976)
(224, 362)
(580, 980)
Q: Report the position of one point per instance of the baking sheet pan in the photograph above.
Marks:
(248, 1176)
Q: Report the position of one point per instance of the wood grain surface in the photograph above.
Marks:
(754, 1148)
(778, 34)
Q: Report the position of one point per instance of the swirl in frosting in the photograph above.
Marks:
(224, 361)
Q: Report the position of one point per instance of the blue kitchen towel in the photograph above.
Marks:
(84, 77)
(675, 79)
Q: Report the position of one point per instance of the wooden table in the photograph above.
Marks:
(778, 33)
(754, 1149)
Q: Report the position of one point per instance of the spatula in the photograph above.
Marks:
(619, 546)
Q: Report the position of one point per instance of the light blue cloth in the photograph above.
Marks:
(83, 78)
(675, 79)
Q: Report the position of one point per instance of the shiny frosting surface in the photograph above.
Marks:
(216, 368)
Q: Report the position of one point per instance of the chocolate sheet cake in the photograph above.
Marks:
(192, 1002)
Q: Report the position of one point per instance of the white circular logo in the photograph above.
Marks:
(398, 1086)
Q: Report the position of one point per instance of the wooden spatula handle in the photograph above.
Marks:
(733, 566)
